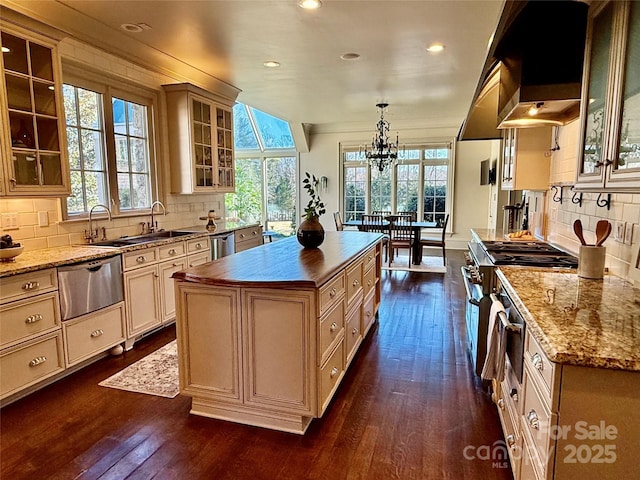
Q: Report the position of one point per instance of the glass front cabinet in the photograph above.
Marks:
(610, 136)
(200, 141)
(33, 145)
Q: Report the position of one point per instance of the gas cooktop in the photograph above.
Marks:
(529, 254)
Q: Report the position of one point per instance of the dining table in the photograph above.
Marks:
(383, 226)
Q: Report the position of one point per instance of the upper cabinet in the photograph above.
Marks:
(609, 149)
(200, 140)
(33, 145)
(525, 158)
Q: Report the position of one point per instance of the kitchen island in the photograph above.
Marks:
(265, 336)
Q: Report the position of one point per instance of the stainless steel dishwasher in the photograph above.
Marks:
(89, 286)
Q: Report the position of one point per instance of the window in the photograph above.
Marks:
(110, 148)
(420, 182)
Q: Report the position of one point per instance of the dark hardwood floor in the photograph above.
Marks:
(409, 408)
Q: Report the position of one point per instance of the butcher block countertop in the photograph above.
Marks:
(591, 323)
(284, 263)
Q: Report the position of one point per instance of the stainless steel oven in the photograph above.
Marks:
(515, 326)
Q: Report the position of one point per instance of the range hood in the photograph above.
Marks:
(533, 73)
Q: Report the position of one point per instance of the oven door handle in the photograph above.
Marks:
(504, 318)
(465, 280)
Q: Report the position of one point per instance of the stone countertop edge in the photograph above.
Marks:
(33, 260)
(589, 323)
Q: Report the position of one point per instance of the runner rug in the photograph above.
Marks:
(155, 374)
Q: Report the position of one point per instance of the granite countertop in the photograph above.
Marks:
(32, 260)
(592, 323)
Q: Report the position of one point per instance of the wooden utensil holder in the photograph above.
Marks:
(591, 261)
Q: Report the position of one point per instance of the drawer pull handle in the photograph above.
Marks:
(37, 361)
(334, 372)
(140, 259)
(242, 235)
(536, 359)
(369, 283)
(514, 394)
(333, 292)
(33, 318)
(356, 283)
(172, 251)
(198, 246)
(532, 418)
(511, 440)
(333, 327)
(354, 331)
(368, 314)
(30, 286)
(254, 233)
(501, 403)
(97, 333)
(369, 258)
(156, 275)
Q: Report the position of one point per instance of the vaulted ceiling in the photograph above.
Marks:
(229, 40)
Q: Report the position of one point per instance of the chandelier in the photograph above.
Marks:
(382, 152)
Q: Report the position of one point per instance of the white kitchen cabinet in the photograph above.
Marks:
(167, 295)
(525, 158)
(32, 141)
(609, 159)
(200, 140)
(142, 297)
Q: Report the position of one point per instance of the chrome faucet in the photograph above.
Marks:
(91, 235)
(153, 225)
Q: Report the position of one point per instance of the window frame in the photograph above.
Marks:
(422, 161)
(112, 87)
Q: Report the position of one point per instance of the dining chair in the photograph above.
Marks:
(414, 215)
(400, 235)
(338, 219)
(377, 223)
(437, 241)
(384, 213)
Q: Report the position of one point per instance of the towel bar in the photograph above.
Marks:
(514, 327)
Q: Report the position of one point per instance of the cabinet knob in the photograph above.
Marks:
(172, 251)
(532, 418)
(369, 283)
(514, 394)
(37, 361)
(242, 235)
(33, 318)
(333, 327)
(333, 292)
(334, 372)
(511, 440)
(198, 246)
(97, 333)
(354, 332)
(501, 403)
(356, 283)
(368, 314)
(140, 259)
(536, 359)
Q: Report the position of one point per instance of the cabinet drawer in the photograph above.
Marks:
(331, 330)
(331, 292)
(512, 395)
(527, 470)
(352, 334)
(93, 333)
(198, 245)
(29, 317)
(354, 281)
(197, 259)
(28, 284)
(369, 282)
(368, 313)
(370, 258)
(330, 375)
(536, 419)
(248, 234)
(509, 429)
(30, 363)
(139, 258)
(171, 250)
(540, 365)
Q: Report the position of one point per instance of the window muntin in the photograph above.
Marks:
(257, 130)
(419, 182)
(110, 146)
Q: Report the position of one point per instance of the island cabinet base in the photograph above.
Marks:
(274, 355)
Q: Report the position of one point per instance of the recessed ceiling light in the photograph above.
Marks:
(309, 4)
(271, 64)
(349, 56)
(6, 49)
(131, 27)
(435, 48)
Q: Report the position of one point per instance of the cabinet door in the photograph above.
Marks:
(167, 291)
(225, 175)
(279, 359)
(36, 161)
(202, 144)
(142, 296)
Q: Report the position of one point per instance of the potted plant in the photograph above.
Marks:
(310, 232)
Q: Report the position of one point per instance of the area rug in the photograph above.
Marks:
(155, 374)
(430, 264)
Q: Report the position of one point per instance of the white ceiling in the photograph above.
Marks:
(229, 40)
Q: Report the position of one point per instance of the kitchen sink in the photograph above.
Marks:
(146, 238)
